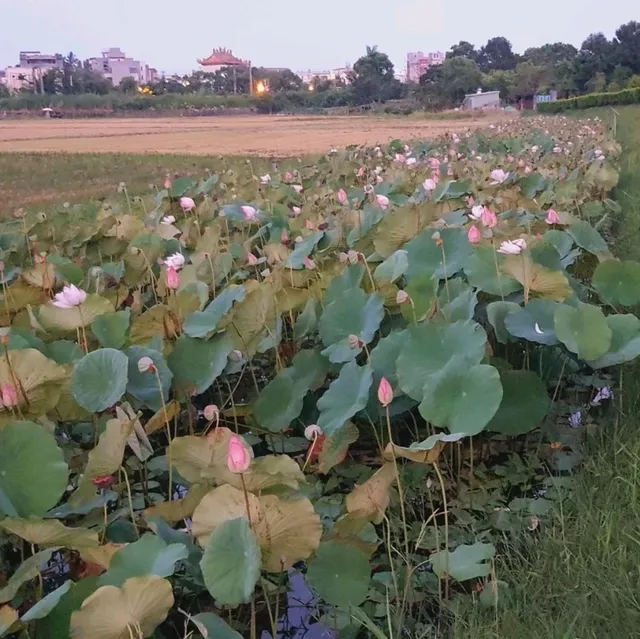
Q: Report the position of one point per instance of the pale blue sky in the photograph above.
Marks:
(314, 34)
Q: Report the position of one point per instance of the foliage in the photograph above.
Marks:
(626, 96)
(225, 369)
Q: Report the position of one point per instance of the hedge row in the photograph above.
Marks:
(627, 96)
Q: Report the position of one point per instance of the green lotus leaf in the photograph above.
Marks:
(625, 341)
(43, 607)
(588, 238)
(281, 401)
(423, 291)
(204, 324)
(340, 574)
(33, 472)
(352, 313)
(465, 562)
(583, 330)
(393, 268)
(525, 403)
(64, 352)
(110, 612)
(618, 282)
(210, 626)
(112, 329)
(535, 322)
(144, 386)
(462, 397)
(444, 256)
(335, 447)
(69, 319)
(430, 347)
(147, 556)
(307, 321)
(457, 301)
(302, 250)
(483, 272)
(181, 186)
(349, 280)
(37, 380)
(346, 395)
(497, 313)
(99, 379)
(231, 562)
(196, 364)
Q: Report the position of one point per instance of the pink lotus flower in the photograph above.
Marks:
(297, 188)
(313, 431)
(8, 396)
(385, 392)
(402, 297)
(400, 159)
(175, 261)
(342, 196)
(211, 413)
(512, 247)
(69, 297)
(309, 264)
(187, 204)
(498, 176)
(172, 278)
(429, 184)
(238, 456)
(249, 212)
(362, 171)
(295, 211)
(434, 164)
(552, 217)
(489, 218)
(411, 161)
(527, 169)
(383, 202)
(476, 212)
(474, 235)
(288, 176)
(252, 260)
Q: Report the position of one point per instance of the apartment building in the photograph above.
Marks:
(32, 65)
(115, 65)
(418, 63)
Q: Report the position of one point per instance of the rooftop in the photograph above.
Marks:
(222, 57)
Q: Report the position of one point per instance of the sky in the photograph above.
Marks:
(307, 34)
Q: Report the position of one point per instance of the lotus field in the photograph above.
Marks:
(360, 375)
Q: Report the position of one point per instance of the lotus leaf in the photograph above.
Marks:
(583, 330)
(465, 562)
(100, 379)
(69, 319)
(50, 532)
(618, 282)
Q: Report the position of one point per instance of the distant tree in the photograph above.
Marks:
(502, 81)
(459, 77)
(52, 82)
(128, 85)
(285, 80)
(529, 79)
(497, 55)
(374, 80)
(633, 82)
(597, 83)
(550, 54)
(628, 46)
(4, 91)
(463, 49)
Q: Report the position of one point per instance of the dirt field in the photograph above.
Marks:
(277, 136)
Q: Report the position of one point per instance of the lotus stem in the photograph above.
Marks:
(446, 525)
(84, 333)
(130, 500)
(168, 425)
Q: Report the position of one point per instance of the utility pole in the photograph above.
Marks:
(250, 79)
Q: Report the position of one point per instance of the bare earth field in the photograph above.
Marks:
(275, 136)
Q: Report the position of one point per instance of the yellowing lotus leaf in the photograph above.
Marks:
(42, 275)
(8, 616)
(100, 555)
(157, 321)
(37, 380)
(276, 253)
(535, 278)
(292, 299)
(288, 531)
(50, 532)
(418, 456)
(67, 409)
(18, 296)
(179, 509)
(372, 498)
(160, 419)
(396, 229)
(135, 610)
(69, 319)
(126, 227)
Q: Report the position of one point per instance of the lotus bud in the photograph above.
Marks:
(353, 257)
(8, 395)
(474, 235)
(252, 260)
(295, 211)
(342, 196)
(343, 257)
(309, 225)
(402, 297)
(385, 392)
(211, 413)
(187, 204)
(235, 356)
(489, 218)
(172, 278)
(146, 365)
(354, 341)
(552, 217)
(313, 431)
(238, 456)
(309, 264)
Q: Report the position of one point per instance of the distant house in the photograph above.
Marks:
(221, 58)
(486, 101)
(115, 66)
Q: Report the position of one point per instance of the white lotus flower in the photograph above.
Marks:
(476, 212)
(168, 220)
(146, 365)
(69, 297)
(175, 261)
(498, 176)
(512, 247)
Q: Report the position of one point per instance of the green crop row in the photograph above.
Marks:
(627, 96)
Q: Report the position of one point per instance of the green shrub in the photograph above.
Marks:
(627, 96)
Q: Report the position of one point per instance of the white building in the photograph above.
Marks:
(486, 101)
(115, 66)
(30, 69)
(340, 73)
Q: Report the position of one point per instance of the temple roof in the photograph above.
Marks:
(222, 57)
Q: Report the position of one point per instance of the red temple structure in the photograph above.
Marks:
(221, 58)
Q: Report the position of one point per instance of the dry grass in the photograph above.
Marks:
(275, 136)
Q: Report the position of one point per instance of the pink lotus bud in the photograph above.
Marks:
(284, 237)
(146, 365)
(249, 212)
(474, 235)
(343, 257)
(489, 218)
(402, 297)
(252, 260)
(385, 392)
(167, 182)
(238, 456)
(297, 188)
(362, 171)
(354, 342)
(450, 172)
(295, 211)
(383, 202)
(309, 224)
(8, 395)
(510, 158)
(288, 176)
(312, 432)
(172, 278)
(400, 159)
(211, 413)
(429, 184)
(434, 164)
(552, 217)
(309, 264)
(353, 257)
(187, 204)
(342, 196)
